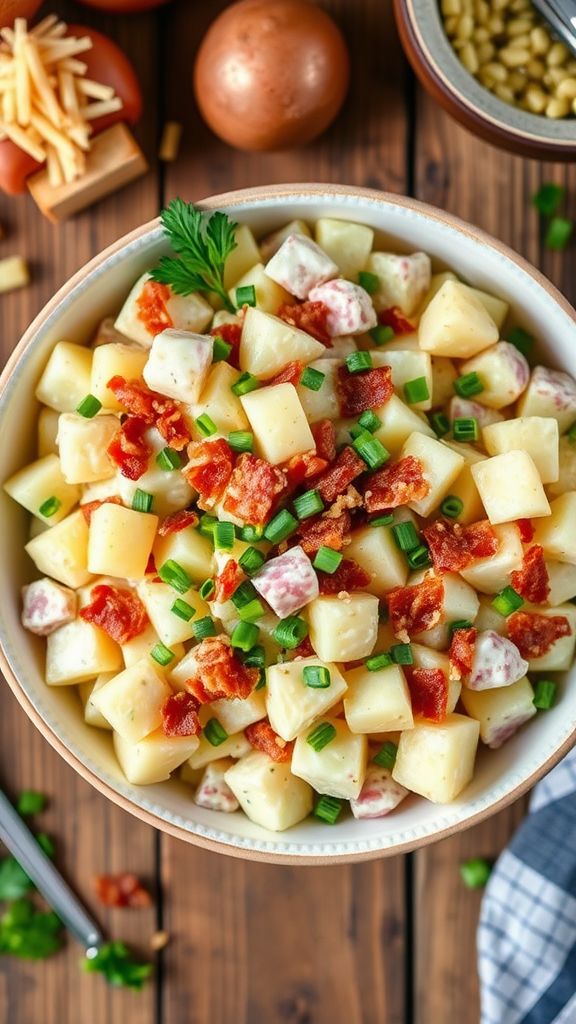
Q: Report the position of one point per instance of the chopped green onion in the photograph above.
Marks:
(290, 632)
(369, 421)
(183, 610)
(468, 384)
(308, 504)
(369, 282)
(401, 654)
(205, 425)
(168, 460)
(50, 507)
(381, 334)
(419, 557)
(321, 736)
(458, 624)
(312, 379)
(327, 560)
(522, 340)
(245, 383)
(356, 430)
(406, 536)
(440, 424)
(175, 576)
(251, 533)
(544, 694)
(317, 677)
(386, 756)
(246, 601)
(507, 601)
(356, 362)
(241, 440)
(30, 801)
(451, 506)
(206, 589)
(220, 350)
(142, 501)
(371, 450)
(246, 296)
(244, 636)
(215, 733)
(475, 872)
(203, 628)
(243, 594)
(280, 527)
(262, 680)
(559, 233)
(328, 809)
(465, 428)
(162, 654)
(89, 406)
(548, 198)
(251, 561)
(382, 520)
(224, 536)
(571, 434)
(255, 658)
(206, 525)
(378, 661)
(416, 390)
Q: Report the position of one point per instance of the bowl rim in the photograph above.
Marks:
(232, 199)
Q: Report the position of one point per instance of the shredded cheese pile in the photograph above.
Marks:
(46, 102)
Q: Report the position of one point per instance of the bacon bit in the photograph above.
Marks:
(324, 434)
(351, 499)
(532, 580)
(228, 580)
(342, 472)
(461, 652)
(454, 546)
(415, 609)
(155, 409)
(327, 531)
(348, 576)
(396, 484)
(150, 569)
(311, 317)
(526, 530)
(302, 467)
(152, 307)
(123, 890)
(120, 613)
(261, 736)
(394, 318)
(180, 715)
(209, 469)
(304, 650)
(91, 506)
(232, 335)
(253, 489)
(219, 675)
(428, 692)
(289, 375)
(177, 521)
(366, 390)
(129, 448)
(534, 634)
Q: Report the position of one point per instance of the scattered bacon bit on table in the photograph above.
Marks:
(428, 692)
(461, 651)
(454, 546)
(209, 469)
(349, 576)
(119, 612)
(91, 506)
(289, 375)
(324, 434)
(394, 318)
(180, 715)
(347, 466)
(218, 674)
(415, 609)
(232, 335)
(228, 580)
(534, 634)
(177, 521)
(129, 448)
(156, 410)
(369, 389)
(327, 531)
(396, 484)
(122, 890)
(261, 736)
(302, 467)
(311, 317)
(253, 488)
(532, 581)
(152, 307)
(526, 530)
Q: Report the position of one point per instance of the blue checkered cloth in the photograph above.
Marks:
(527, 930)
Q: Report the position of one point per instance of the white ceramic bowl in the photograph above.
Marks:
(73, 313)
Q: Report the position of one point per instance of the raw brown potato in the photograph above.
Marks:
(510, 487)
(343, 628)
(38, 482)
(377, 701)
(292, 706)
(120, 541)
(269, 343)
(62, 551)
(441, 467)
(79, 651)
(456, 323)
(67, 377)
(491, 574)
(336, 770)
(436, 759)
(500, 712)
(153, 758)
(556, 534)
(536, 435)
(132, 701)
(278, 422)
(82, 446)
(347, 243)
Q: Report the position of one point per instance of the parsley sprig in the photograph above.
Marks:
(115, 962)
(29, 933)
(202, 245)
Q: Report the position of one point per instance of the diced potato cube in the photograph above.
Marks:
(398, 421)
(271, 244)
(350, 309)
(213, 792)
(500, 712)
(343, 628)
(374, 549)
(503, 371)
(46, 605)
(153, 758)
(279, 423)
(67, 377)
(444, 374)
(557, 534)
(140, 646)
(510, 487)
(170, 489)
(491, 574)
(426, 657)
(379, 794)
(560, 657)
(120, 541)
(339, 768)
(190, 549)
(566, 470)
(378, 701)
(459, 602)
(407, 365)
(14, 273)
(536, 435)
(403, 280)
(299, 265)
(39, 481)
(466, 408)
(440, 465)
(236, 714)
(79, 651)
(325, 403)
(62, 552)
(550, 393)
(47, 432)
(497, 308)
(436, 759)
(268, 793)
(456, 323)
(178, 364)
(345, 242)
(562, 580)
(220, 402)
(82, 444)
(91, 714)
(496, 662)
(489, 618)
(244, 255)
(158, 599)
(464, 487)
(436, 282)
(182, 312)
(269, 343)
(116, 359)
(292, 705)
(132, 701)
(235, 746)
(269, 295)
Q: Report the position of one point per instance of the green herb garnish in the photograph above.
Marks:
(114, 961)
(29, 933)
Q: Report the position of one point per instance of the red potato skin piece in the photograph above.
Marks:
(325, 531)
(232, 335)
(395, 485)
(209, 469)
(253, 489)
(348, 577)
(532, 581)
(122, 890)
(153, 408)
(261, 736)
(129, 448)
(535, 634)
(152, 307)
(394, 318)
(428, 692)
(415, 609)
(454, 546)
(180, 715)
(311, 317)
(461, 651)
(359, 392)
(117, 611)
(219, 674)
(334, 481)
(324, 434)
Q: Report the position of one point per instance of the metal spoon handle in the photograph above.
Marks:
(18, 838)
(561, 16)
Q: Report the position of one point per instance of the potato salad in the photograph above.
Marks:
(303, 533)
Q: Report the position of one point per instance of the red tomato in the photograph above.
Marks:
(11, 9)
(107, 64)
(123, 6)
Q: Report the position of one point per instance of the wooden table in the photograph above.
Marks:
(391, 942)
